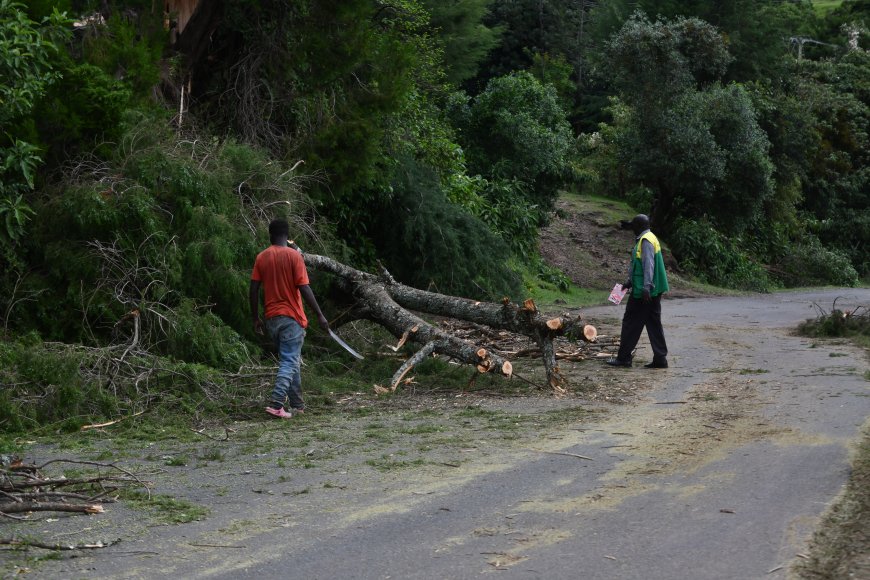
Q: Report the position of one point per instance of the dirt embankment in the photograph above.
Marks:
(584, 241)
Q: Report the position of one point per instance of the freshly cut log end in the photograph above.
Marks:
(507, 369)
(506, 300)
(482, 368)
(481, 352)
(555, 323)
(590, 333)
(529, 304)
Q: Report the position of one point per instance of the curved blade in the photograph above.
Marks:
(344, 345)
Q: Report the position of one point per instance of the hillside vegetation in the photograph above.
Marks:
(142, 156)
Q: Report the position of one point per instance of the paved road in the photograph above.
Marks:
(720, 472)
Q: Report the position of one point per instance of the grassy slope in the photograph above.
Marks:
(825, 6)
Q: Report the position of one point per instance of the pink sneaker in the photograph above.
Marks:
(279, 413)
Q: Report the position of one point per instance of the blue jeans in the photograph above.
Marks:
(288, 336)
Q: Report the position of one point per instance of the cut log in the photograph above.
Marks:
(554, 323)
(481, 352)
(590, 333)
(507, 369)
(529, 305)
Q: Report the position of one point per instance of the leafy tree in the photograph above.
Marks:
(516, 130)
(756, 32)
(652, 62)
(429, 242)
(325, 82)
(466, 39)
(27, 50)
(696, 144)
(534, 27)
(166, 227)
(836, 189)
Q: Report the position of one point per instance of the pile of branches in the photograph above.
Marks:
(138, 378)
(512, 345)
(839, 322)
(26, 488)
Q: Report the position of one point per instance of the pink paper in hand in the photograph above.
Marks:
(617, 294)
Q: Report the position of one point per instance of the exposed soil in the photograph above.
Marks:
(584, 240)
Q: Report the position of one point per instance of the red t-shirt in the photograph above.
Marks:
(281, 271)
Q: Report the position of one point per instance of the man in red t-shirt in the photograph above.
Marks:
(281, 272)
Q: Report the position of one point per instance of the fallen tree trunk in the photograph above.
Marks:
(390, 304)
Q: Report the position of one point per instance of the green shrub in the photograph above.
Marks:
(165, 221)
(808, 262)
(428, 242)
(716, 259)
(42, 386)
(517, 130)
(129, 50)
(199, 336)
(853, 324)
(56, 386)
(81, 110)
(502, 205)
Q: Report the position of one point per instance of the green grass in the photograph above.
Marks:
(840, 543)
(822, 7)
(165, 509)
(548, 296)
(604, 210)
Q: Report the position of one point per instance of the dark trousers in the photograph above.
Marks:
(637, 316)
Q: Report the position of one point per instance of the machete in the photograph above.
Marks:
(335, 337)
(346, 346)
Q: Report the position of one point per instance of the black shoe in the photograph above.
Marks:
(615, 362)
(657, 364)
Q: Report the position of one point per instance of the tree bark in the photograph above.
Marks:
(390, 304)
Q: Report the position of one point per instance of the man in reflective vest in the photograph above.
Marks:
(647, 281)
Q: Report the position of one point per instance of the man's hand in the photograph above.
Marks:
(324, 324)
(258, 326)
(626, 285)
(646, 296)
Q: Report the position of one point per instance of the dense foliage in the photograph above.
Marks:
(139, 163)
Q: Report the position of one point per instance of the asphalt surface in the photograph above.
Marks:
(721, 471)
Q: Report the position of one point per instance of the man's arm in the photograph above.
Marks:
(254, 299)
(308, 296)
(647, 258)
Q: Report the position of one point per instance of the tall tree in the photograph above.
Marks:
(317, 80)
(27, 69)
(466, 39)
(696, 144)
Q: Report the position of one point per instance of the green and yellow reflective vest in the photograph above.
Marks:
(660, 277)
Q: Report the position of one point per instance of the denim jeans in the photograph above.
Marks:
(288, 336)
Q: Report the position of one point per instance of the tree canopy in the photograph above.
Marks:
(140, 161)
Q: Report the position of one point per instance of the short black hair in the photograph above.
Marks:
(279, 228)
